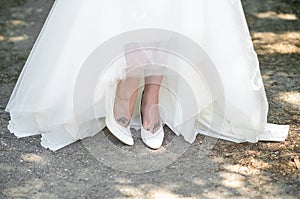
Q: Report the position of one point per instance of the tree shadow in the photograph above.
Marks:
(227, 170)
(272, 15)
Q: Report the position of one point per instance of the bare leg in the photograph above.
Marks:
(151, 117)
(126, 91)
(125, 99)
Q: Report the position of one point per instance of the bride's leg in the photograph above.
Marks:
(127, 89)
(150, 111)
(126, 94)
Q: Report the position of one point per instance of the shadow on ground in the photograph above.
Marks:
(262, 170)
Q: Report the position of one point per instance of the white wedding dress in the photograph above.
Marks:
(212, 83)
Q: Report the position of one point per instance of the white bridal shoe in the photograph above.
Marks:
(119, 131)
(152, 140)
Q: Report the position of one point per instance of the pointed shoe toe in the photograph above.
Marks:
(153, 141)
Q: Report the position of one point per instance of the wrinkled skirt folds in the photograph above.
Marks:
(212, 83)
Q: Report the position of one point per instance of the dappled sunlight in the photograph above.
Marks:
(163, 194)
(274, 15)
(237, 168)
(123, 181)
(233, 180)
(157, 193)
(199, 181)
(149, 190)
(17, 38)
(9, 31)
(254, 164)
(15, 22)
(229, 170)
(238, 175)
(31, 157)
(130, 191)
(281, 43)
(14, 38)
(291, 97)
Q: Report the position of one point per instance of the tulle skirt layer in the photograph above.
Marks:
(212, 83)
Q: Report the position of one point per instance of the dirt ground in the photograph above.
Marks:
(228, 170)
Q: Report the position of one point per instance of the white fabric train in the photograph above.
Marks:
(212, 83)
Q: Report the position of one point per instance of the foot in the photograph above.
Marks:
(151, 120)
(120, 129)
(121, 112)
(152, 132)
(123, 109)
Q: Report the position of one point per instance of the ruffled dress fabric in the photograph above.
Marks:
(212, 83)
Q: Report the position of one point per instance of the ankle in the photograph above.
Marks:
(152, 127)
(149, 100)
(123, 121)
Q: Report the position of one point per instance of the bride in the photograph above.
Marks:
(142, 64)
